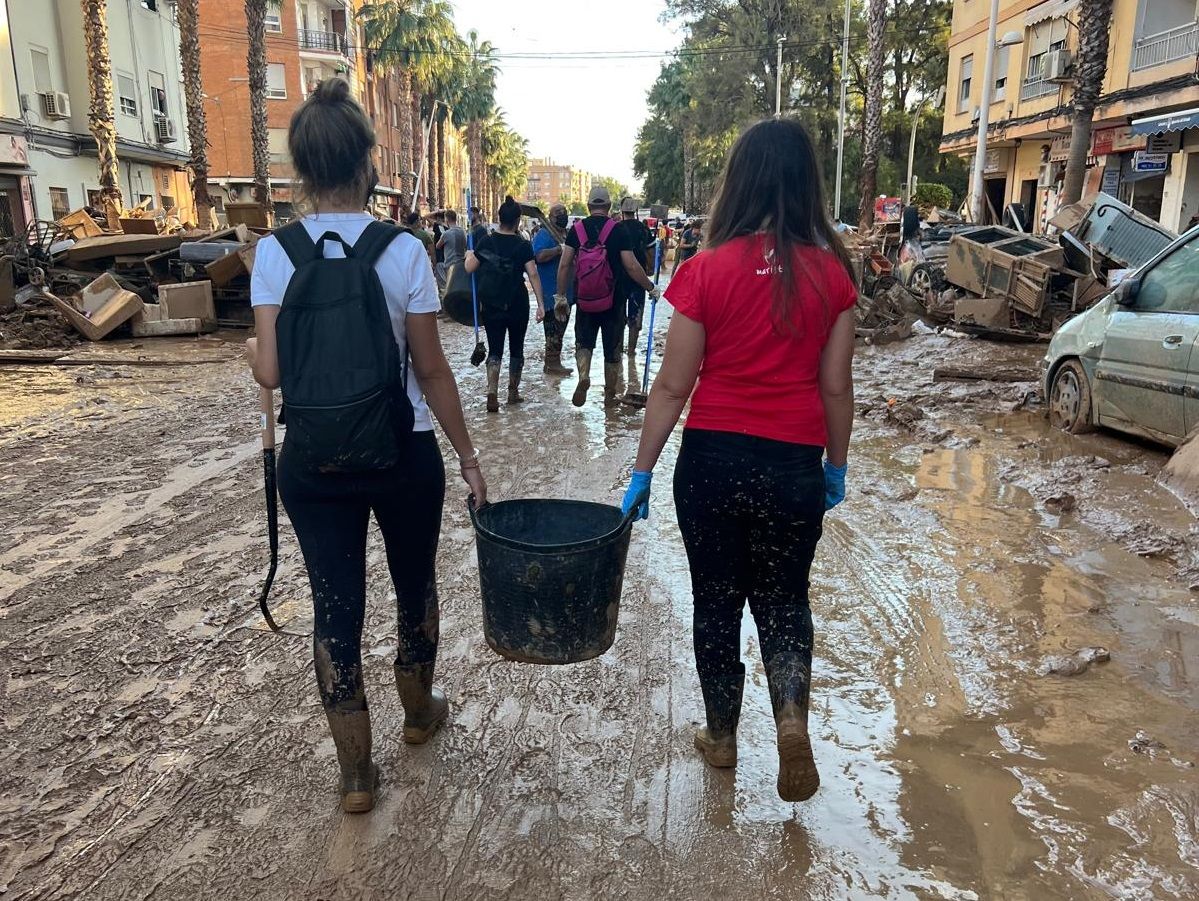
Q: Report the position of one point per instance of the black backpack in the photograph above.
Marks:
(345, 395)
(496, 280)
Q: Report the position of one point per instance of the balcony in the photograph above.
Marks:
(323, 42)
(1165, 47)
(1032, 88)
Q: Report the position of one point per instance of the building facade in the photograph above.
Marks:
(550, 182)
(48, 163)
(1145, 148)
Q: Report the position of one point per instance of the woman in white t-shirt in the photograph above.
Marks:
(330, 141)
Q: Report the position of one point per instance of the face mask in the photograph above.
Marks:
(562, 220)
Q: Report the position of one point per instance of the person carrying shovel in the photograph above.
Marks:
(764, 321)
(345, 310)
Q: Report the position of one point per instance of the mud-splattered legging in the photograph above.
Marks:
(330, 513)
(513, 325)
(751, 511)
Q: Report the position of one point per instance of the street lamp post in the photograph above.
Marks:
(841, 114)
(940, 98)
(984, 108)
(778, 81)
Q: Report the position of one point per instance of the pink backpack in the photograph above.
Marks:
(595, 282)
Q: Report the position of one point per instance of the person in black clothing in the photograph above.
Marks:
(478, 228)
(505, 258)
(610, 323)
(439, 263)
(688, 245)
(641, 242)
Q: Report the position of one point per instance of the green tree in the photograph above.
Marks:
(476, 101)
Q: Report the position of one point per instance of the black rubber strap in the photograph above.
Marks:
(296, 243)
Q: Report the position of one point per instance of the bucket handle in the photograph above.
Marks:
(625, 523)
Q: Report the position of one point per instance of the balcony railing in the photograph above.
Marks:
(1032, 88)
(1165, 47)
(324, 41)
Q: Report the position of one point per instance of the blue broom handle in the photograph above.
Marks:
(470, 245)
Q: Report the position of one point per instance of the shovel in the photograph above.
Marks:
(634, 398)
(480, 352)
(267, 400)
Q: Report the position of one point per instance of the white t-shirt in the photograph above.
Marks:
(404, 270)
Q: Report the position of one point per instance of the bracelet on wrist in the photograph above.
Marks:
(471, 461)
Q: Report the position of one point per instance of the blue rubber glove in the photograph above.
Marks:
(638, 486)
(834, 484)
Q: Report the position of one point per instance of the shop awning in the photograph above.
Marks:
(1141, 176)
(1156, 125)
(1052, 9)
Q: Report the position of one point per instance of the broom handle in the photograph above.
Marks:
(266, 399)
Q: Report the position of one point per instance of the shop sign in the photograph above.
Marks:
(1144, 161)
(996, 161)
(1116, 140)
(14, 151)
(1170, 142)
(1111, 182)
(888, 209)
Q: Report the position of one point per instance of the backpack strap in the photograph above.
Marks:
(606, 231)
(296, 243)
(374, 241)
(581, 233)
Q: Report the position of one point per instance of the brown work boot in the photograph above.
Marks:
(611, 383)
(514, 386)
(717, 741)
(789, 685)
(352, 735)
(633, 333)
(553, 364)
(493, 387)
(425, 707)
(583, 359)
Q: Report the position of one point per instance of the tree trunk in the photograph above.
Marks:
(256, 69)
(418, 146)
(474, 148)
(1094, 29)
(404, 103)
(688, 171)
(440, 145)
(873, 118)
(188, 12)
(100, 112)
(430, 162)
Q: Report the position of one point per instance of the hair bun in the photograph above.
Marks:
(331, 90)
(509, 199)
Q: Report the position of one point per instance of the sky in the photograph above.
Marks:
(582, 113)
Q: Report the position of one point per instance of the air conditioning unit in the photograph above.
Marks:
(164, 130)
(1059, 66)
(975, 115)
(56, 105)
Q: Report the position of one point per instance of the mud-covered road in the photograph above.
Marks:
(158, 743)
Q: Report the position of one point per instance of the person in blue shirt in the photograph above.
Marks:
(547, 252)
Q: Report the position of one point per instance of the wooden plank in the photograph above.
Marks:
(120, 245)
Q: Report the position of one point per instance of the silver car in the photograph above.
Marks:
(1131, 362)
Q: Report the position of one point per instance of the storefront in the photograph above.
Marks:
(1161, 178)
(16, 194)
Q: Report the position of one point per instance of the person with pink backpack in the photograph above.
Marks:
(597, 250)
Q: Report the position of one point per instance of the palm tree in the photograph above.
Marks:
(506, 156)
(872, 123)
(410, 36)
(100, 118)
(475, 104)
(256, 69)
(188, 13)
(1094, 28)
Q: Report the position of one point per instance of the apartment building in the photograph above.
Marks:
(550, 182)
(1145, 147)
(48, 164)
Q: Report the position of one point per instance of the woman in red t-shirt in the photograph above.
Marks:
(771, 345)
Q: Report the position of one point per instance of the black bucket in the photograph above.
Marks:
(551, 573)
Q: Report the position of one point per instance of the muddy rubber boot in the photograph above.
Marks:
(633, 333)
(425, 707)
(493, 387)
(514, 386)
(352, 735)
(789, 683)
(583, 360)
(553, 357)
(717, 741)
(611, 383)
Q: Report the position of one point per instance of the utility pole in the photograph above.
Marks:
(778, 81)
(841, 115)
(984, 117)
(938, 100)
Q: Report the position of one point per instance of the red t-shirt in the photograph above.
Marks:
(753, 379)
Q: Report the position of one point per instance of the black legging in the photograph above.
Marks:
(330, 513)
(751, 512)
(513, 325)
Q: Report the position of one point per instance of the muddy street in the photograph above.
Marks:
(160, 743)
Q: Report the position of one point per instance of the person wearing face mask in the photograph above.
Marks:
(548, 252)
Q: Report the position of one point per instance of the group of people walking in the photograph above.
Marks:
(346, 317)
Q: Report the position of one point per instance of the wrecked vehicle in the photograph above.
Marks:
(1130, 362)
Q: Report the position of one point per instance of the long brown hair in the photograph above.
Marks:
(330, 140)
(771, 183)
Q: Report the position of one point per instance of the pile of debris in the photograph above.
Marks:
(155, 277)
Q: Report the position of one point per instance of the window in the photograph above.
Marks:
(395, 162)
(312, 77)
(1043, 37)
(277, 144)
(274, 21)
(158, 95)
(383, 173)
(1003, 57)
(395, 115)
(127, 93)
(276, 81)
(151, 5)
(60, 202)
(167, 202)
(965, 77)
(41, 70)
(1172, 286)
(218, 203)
(166, 181)
(146, 199)
(95, 199)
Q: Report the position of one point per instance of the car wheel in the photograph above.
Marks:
(1070, 399)
(924, 278)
